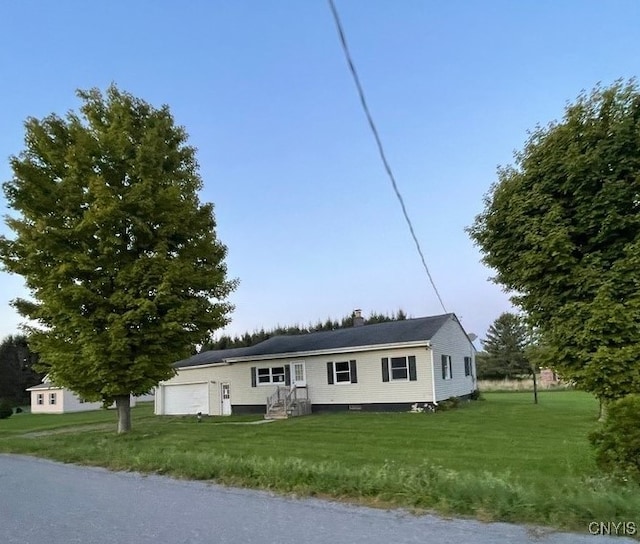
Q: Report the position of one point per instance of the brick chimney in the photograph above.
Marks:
(358, 320)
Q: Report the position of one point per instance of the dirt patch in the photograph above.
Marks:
(70, 430)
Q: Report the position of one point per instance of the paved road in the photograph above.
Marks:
(46, 502)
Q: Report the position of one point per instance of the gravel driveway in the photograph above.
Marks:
(46, 502)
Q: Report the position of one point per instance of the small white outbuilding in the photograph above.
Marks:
(48, 398)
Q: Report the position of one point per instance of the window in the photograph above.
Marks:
(447, 371)
(467, 366)
(274, 374)
(342, 372)
(52, 398)
(40, 398)
(399, 369)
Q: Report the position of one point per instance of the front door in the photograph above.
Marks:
(226, 399)
(298, 374)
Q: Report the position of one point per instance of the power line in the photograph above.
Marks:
(383, 156)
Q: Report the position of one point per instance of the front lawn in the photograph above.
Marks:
(499, 459)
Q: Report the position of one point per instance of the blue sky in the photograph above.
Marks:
(302, 201)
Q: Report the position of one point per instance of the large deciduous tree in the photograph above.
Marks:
(562, 230)
(121, 258)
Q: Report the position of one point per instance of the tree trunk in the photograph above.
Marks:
(123, 406)
(602, 416)
(535, 387)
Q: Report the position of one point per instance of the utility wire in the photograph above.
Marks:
(383, 156)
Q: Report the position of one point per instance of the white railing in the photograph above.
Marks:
(293, 401)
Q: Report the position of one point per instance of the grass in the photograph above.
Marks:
(500, 459)
(525, 384)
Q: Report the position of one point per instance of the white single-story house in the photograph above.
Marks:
(391, 366)
(48, 398)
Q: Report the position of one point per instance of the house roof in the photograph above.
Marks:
(211, 357)
(392, 332)
(43, 386)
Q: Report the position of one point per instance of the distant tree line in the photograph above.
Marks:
(251, 339)
(16, 369)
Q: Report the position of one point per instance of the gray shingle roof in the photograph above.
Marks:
(210, 357)
(393, 332)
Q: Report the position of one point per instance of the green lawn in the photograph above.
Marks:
(503, 458)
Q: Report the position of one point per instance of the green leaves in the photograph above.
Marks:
(562, 229)
(617, 442)
(120, 256)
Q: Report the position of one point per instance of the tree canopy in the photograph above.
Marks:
(121, 258)
(561, 228)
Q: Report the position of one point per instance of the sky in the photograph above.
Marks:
(302, 201)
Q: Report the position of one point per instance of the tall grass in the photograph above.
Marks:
(500, 459)
(526, 384)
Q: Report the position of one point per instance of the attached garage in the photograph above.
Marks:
(181, 399)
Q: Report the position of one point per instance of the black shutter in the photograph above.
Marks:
(330, 373)
(444, 367)
(353, 371)
(287, 375)
(385, 369)
(254, 376)
(413, 376)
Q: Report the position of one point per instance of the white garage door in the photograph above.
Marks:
(186, 399)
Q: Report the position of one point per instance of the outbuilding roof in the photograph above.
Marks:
(392, 332)
(43, 386)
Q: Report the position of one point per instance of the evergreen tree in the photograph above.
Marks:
(16, 369)
(504, 349)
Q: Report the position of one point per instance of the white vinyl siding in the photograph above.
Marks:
(64, 401)
(326, 375)
(369, 387)
(451, 341)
